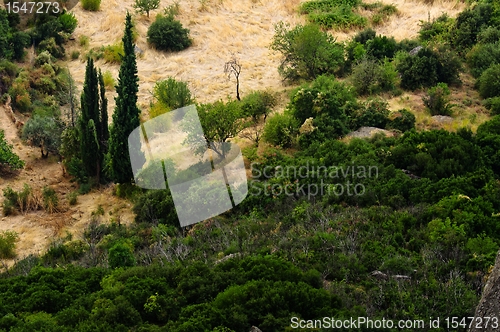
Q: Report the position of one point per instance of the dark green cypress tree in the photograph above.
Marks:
(104, 115)
(93, 122)
(89, 111)
(126, 114)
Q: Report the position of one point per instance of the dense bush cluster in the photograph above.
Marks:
(167, 34)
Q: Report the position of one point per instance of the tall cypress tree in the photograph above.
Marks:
(89, 111)
(93, 121)
(126, 114)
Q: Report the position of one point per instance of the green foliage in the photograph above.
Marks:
(156, 207)
(126, 114)
(44, 132)
(7, 157)
(333, 13)
(370, 76)
(121, 255)
(373, 113)
(145, 6)
(489, 82)
(427, 68)
(469, 24)
(281, 130)
(50, 199)
(109, 81)
(167, 34)
(73, 198)
(113, 53)
(258, 104)
(8, 72)
(482, 56)
(68, 22)
(93, 122)
(92, 5)
(402, 120)
(172, 94)
(220, 121)
(437, 100)
(493, 105)
(8, 241)
(307, 51)
(438, 30)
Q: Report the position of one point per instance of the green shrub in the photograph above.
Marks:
(373, 113)
(281, 130)
(92, 5)
(75, 55)
(437, 100)
(489, 35)
(68, 22)
(156, 207)
(109, 81)
(333, 13)
(113, 53)
(50, 45)
(121, 255)
(482, 56)
(381, 47)
(7, 157)
(8, 241)
(468, 25)
(167, 34)
(50, 199)
(172, 94)
(489, 82)
(307, 52)
(493, 105)
(369, 76)
(258, 104)
(73, 198)
(427, 68)
(8, 72)
(402, 120)
(84, 41)
(438, 30)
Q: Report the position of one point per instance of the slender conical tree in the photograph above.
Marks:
(89, 111)
(103, 139)
(93, 129)
(126, 113)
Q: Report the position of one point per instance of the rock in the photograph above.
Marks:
(367, 132)
(138, 50)
(489, 305)
(415, 50)
(255, 329)
(442, 118)
(379, 275)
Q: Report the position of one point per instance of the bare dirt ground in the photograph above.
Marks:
(38, 229)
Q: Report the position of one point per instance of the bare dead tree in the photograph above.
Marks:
(233, 67)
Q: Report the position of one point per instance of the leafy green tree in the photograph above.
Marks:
(281, 129)
(8, 241)
(172, 94)
(126, 114)
(121, 255)
(220, 122)
(44, 132)
(307, 52)
(437, 100)
(489, 82)
(7, 156)
(145, 6)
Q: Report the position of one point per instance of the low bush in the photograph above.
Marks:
(370, 76)
(489, 82)
(50, 199)
(281, 130)
(482, 56)
(168, 34)
(172, 94)
(437, 100)
(402, 120)
(8, 241)
(438, 30)
(307, 52)
(92, 5)
(113, 53)
(427, 68)
(373, 113)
